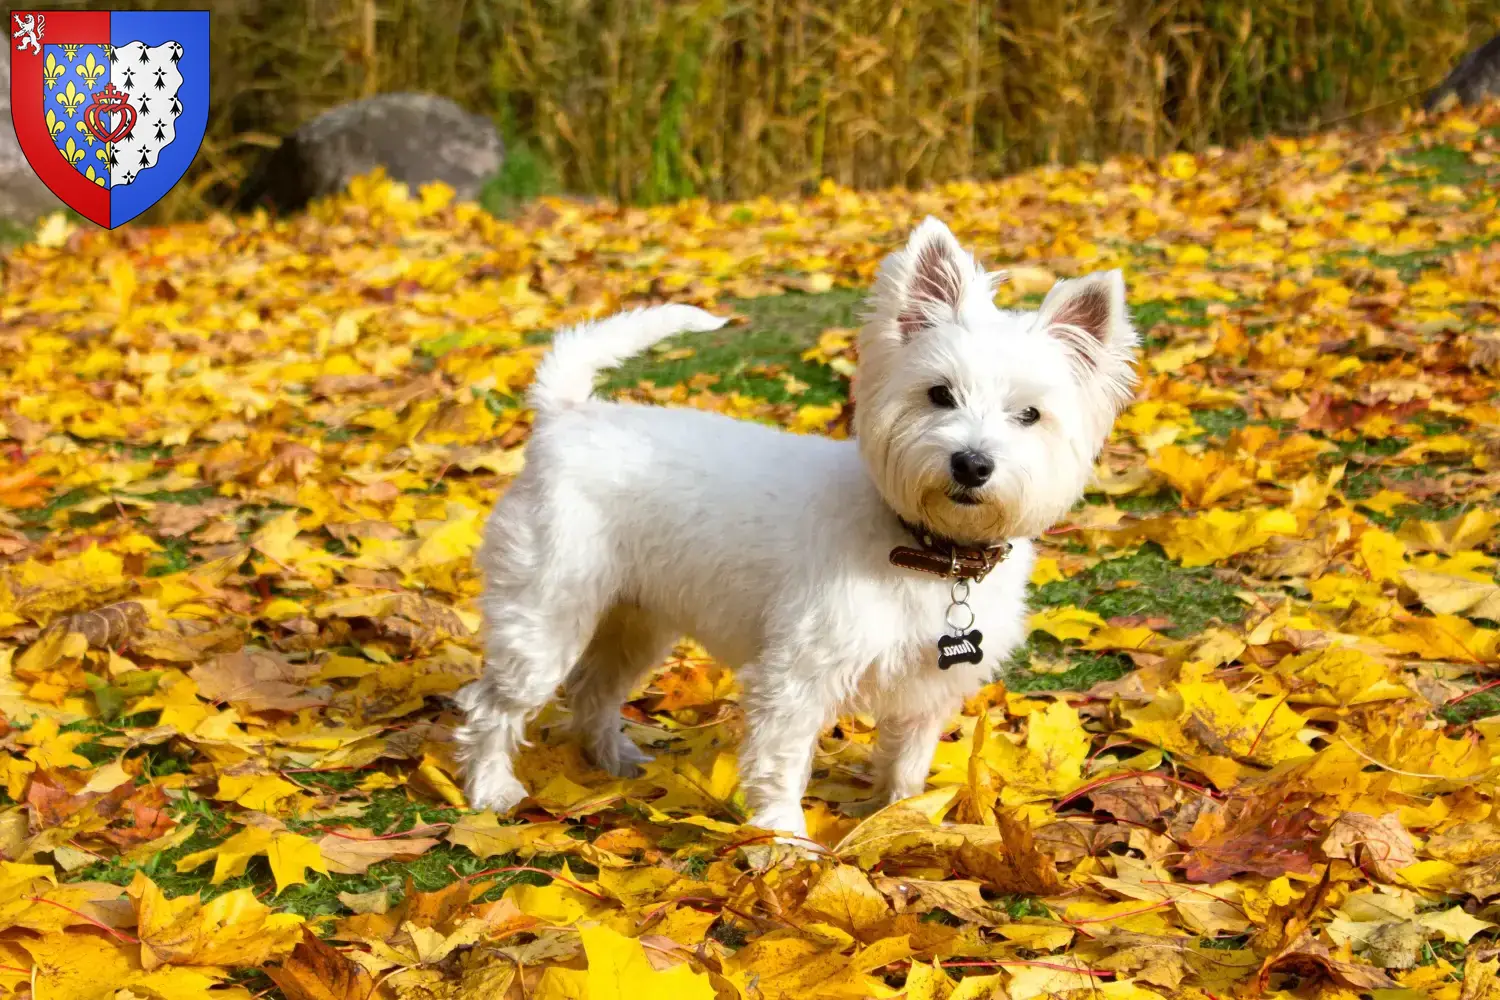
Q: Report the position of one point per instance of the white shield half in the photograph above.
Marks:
(150, 79)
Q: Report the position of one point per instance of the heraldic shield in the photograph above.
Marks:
(109, 106)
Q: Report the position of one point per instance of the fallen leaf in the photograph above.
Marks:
(1381, 843)
(316, 971)
(234, 929)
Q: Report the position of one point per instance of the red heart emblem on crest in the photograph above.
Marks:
(109, 101)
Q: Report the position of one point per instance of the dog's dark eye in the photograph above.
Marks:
(1029, 416)
(942, 396)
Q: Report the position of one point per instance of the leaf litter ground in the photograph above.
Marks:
(1250, 748)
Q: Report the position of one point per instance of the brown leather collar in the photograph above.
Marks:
(946, 558)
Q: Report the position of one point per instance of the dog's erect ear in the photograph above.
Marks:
(1090, 317)
(924, 284)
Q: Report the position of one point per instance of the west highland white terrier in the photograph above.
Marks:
(885, 575)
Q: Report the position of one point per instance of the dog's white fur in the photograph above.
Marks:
(631, 525)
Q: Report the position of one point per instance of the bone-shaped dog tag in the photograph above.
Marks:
(963, 648)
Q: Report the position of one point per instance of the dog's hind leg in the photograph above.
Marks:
(519, 678)
(627, 643)
(534, 633)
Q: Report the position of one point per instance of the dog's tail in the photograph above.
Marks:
(566, 375)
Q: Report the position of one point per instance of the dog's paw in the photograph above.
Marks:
(789, 824)
(618, 756)
(863, 808)
(494, 789)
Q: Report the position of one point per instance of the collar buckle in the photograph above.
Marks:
(948, 559)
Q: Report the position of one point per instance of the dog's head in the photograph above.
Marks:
(981, 423)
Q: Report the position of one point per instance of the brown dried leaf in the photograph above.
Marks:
(105, 627)
(1017, 866)
(186, 640)
(1380, 845)
(316, 970)
(957, 896)
(1248, 836)
(352, 851)
(258, 680)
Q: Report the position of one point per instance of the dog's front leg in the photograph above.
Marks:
(782, 725)
(904, 746)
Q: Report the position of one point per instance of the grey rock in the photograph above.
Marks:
(23, 196)
(417, 138)
(1475, 79)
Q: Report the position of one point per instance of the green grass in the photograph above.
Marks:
(525, 173)
(12, 235)
(1149, 315)
(41, 515)
(1481, 706)
(1084, 670)
(781, 328)
(1221, 423)
(190, 497)
(390, 811)
(1434, 166)
(1367, 482)
(175, 557)
(1142, 504)
(1191, 598)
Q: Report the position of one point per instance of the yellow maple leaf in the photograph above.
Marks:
(234, 929)
(558, 903)
(1468, 530)
(1066, 622)
(82, 966)
(455, 538)
(52, 749)
(16, 772)
(812, 418)
(1383, 555)
(1203, 480)
(289, 854)
(844, 897)
(1340, 676)
(276, 539)
(1207, 718)
(618, 970)
(486, 836)
(261, 792)
(1217, 535)
(1050, 764)
(689, 788)
(1453, 593)
(1443, 637)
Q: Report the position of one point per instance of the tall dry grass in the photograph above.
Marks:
(650, 99)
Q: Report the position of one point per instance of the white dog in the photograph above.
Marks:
(826, 571)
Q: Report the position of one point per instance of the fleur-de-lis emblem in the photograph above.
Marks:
(71, 51)
(72, 152)
(82, 128)
(71, 98)
(54, 124)
(91, 70)
(96, 178)
(52, 70)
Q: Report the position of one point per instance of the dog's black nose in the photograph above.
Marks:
(971, 468)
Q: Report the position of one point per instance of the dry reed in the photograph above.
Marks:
(647, 100)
